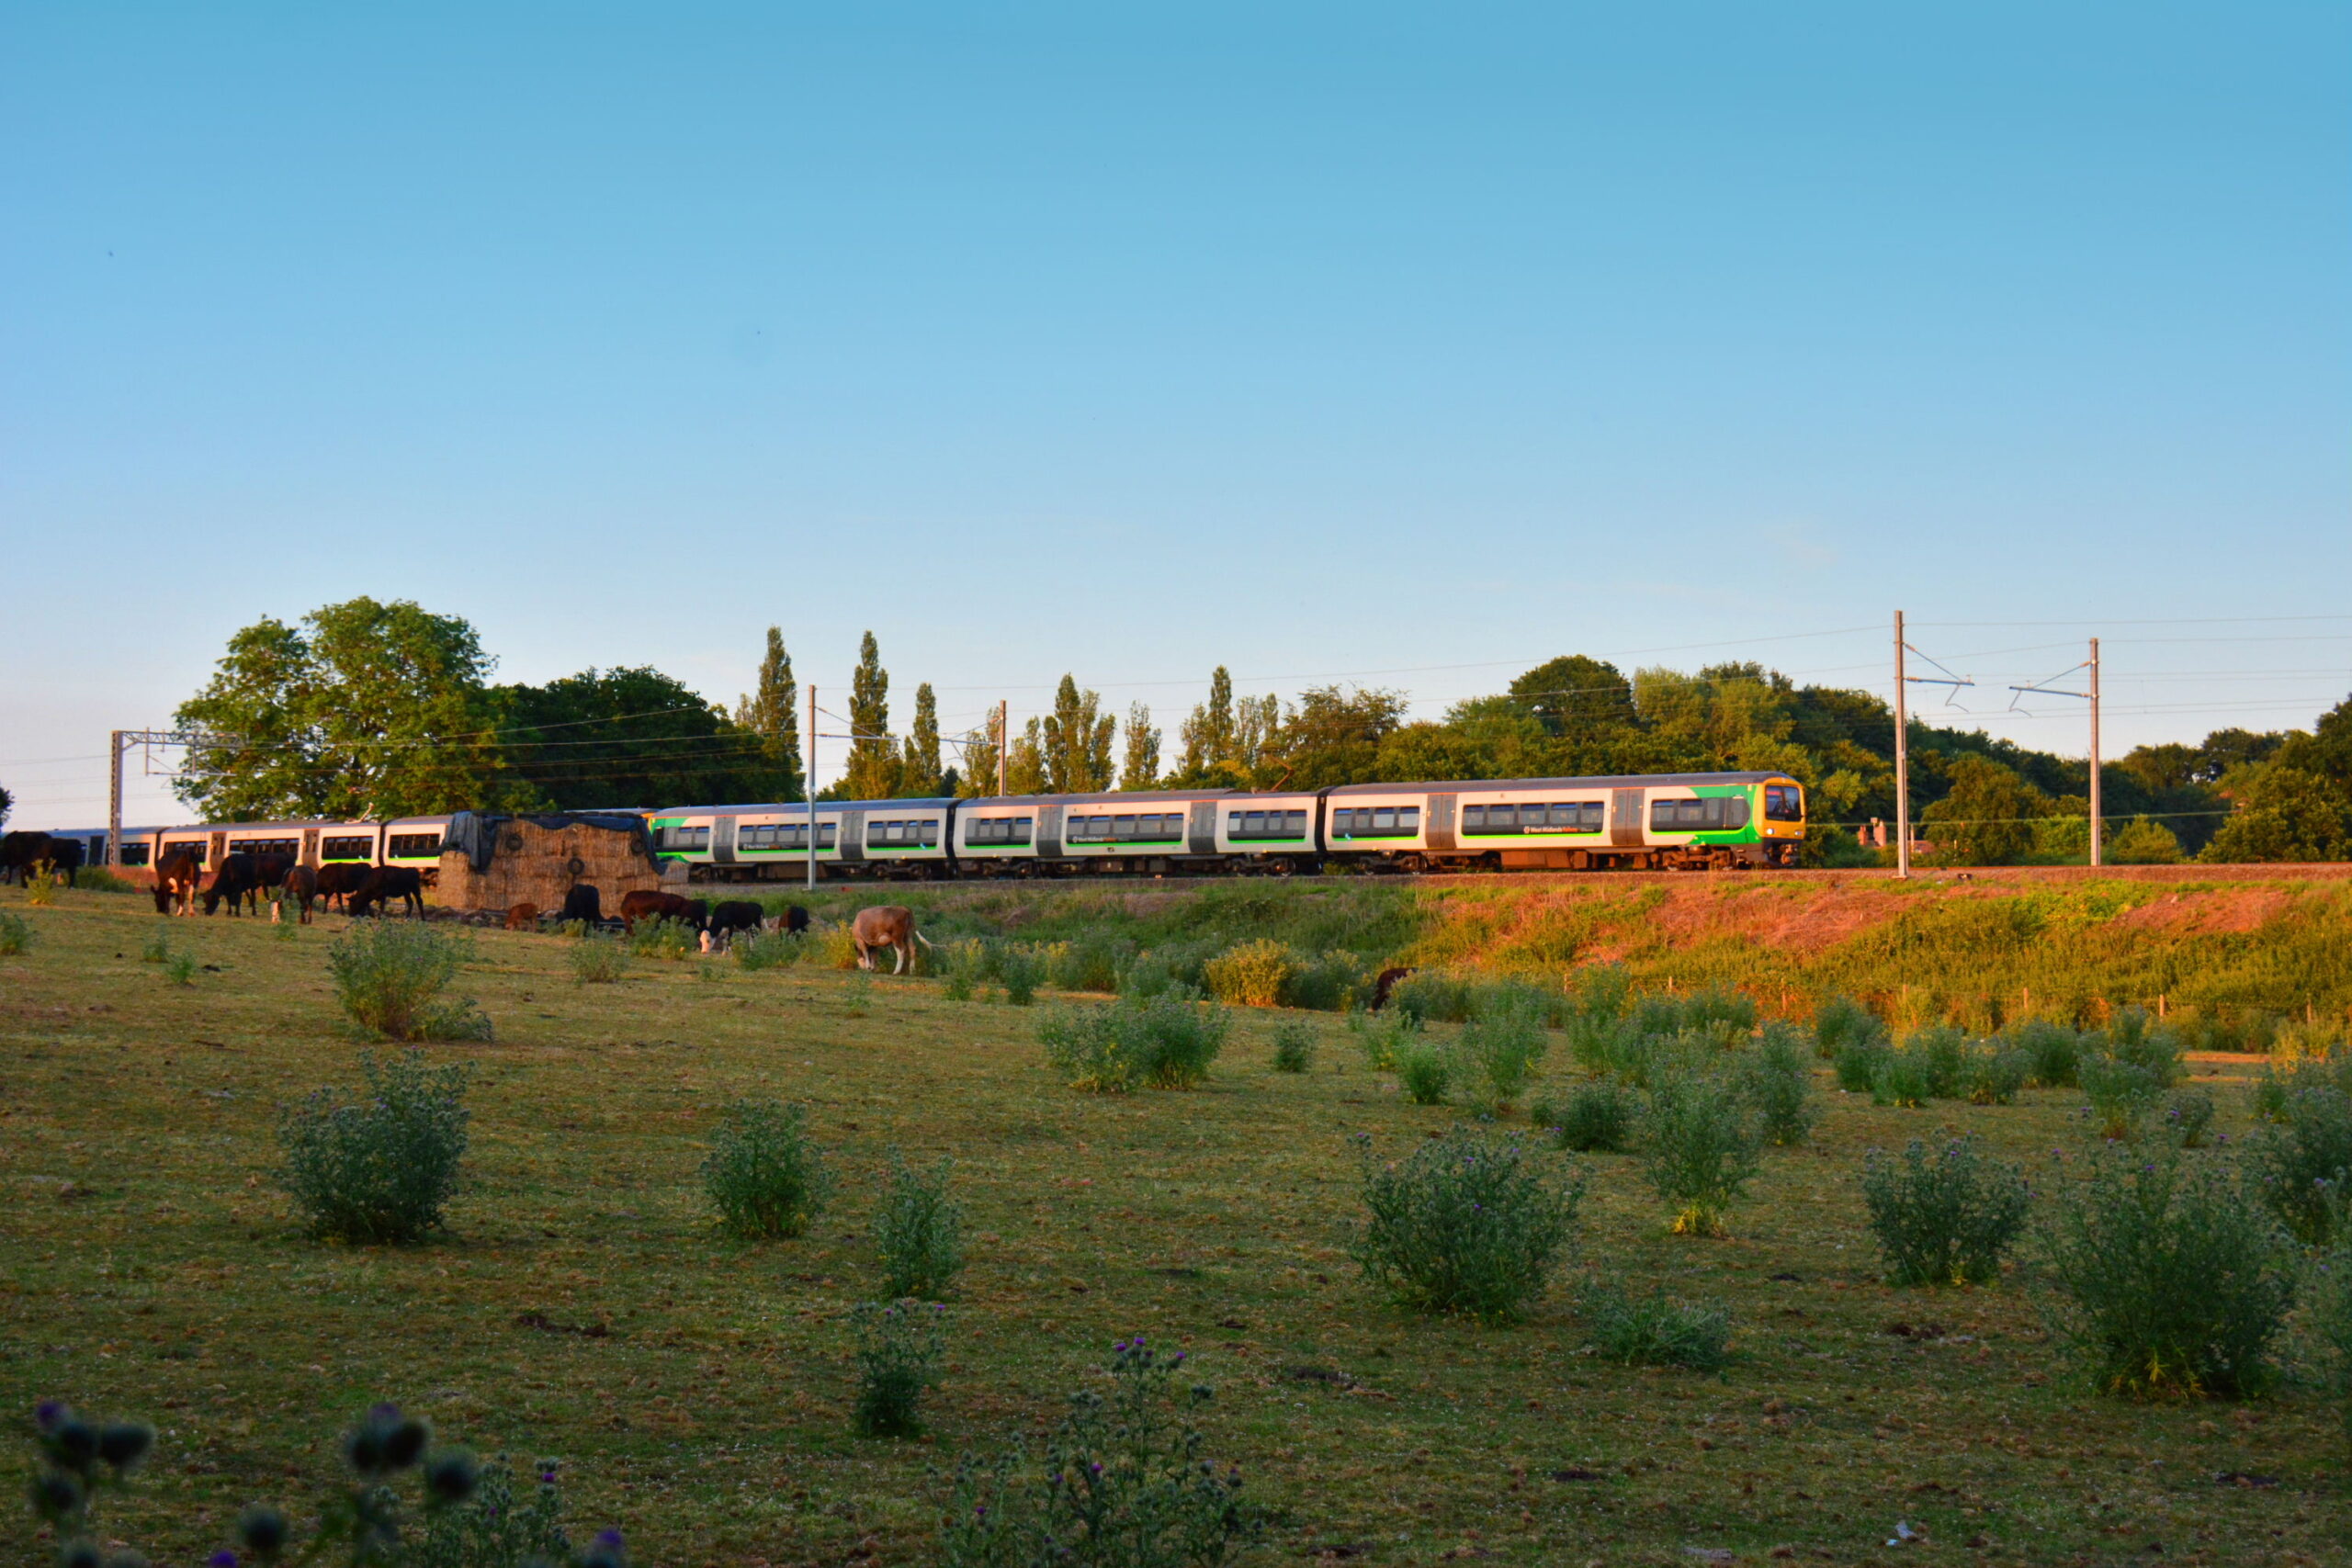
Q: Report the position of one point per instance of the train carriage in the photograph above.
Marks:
(1687, 821)
(766, 842)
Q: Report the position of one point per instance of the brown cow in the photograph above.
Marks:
(178, 875)
(1385, 986)
(890, 926)
(523, 916)
(380, 887)
(301, 885)
(636, 906)
(338, 880)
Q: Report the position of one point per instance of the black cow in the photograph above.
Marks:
(699, 914)
(385, 884)
(733, 915)
(338, 880)
(177, 876)
(65, 858)
(21, 852)
(584, 903)
(795, 919)
(238, 881)
(302, 886)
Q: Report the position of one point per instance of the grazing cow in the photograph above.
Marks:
(523, 916)
(887, 926)
(1386, 983)
(177, 876)
(636, 906)
(301, 885)
(584, 903)
(238, 881)
(795, 919)
(731, 915)
(338, 880)
(21, 853)
(698, 913)
(383, 885)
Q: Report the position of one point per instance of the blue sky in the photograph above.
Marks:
(1310, 340)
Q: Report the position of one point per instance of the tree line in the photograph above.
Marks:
(365, 709)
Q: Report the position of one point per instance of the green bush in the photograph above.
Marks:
(157, 948)
(2328, 1320)
(2302, 1164)
(918, 1230)
(599, 960)
(2120, 1095)
(1606, 1046)
(1166, 1041)
(1124, 1482)
(1841, 1023)
(1701, 1145)
(1657, 1332)
(1464, 1224)
(1595, 1118)
(179, 969)
(1993, 1076)
(1178, 965)
(1431, 996)
(1903, 1078)
(2052, 1052)
(1859, 1061)
(2133, 1035)
(1946, 1218)
(1294, 1045)
(1092, 963)
(898, 1349)
(765, 950)
(1250, 973)
(1942, 1054)
(763, 1176)
(1018, 969)
(1425, 1069)
(389, 975)
(382, 1167)
(966, 964)
(16, 934)
(2187, 1119)
(1777, 1076)
(1503, 1045)
(1328, 982)
(2168, 1278)
(1383, 1036)
(665, 938)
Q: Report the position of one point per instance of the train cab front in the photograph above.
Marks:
(1780, 832)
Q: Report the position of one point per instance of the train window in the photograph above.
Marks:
(197, 847)
(1383, 819)
(353, 846)
(1122, 828)
(415, 846)
(266, 846)
(1783, 803)
(676, 835)
(1696, 815)
(134, 854)
(1575, 816)
(999, 830)
(1734, 811)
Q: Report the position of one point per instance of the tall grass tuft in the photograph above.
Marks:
(663, 938)
(918, 1230)
(2052, 1052)
(1464, 1224)
(1018, 969)
(1859, 1061)
(2169, 1280)
(1701, 1145)
(16, 935)
(2120, 1095)
(2302, 1163)
(763, 1176)
(1946, 1218)
(598, 960)
(1841, 1023)
(965, 966)
(898, 1350)
(755, 951)
(1425, 1069)
(1294, 1045)
(2133, 1035)
(389, 975)
(41, 882)
(1383, 1036)
(1164, 1040)
(1777, 1076)
(380, 1168)
(1503, 1045)
(1657, 1332)
(2329, 1321)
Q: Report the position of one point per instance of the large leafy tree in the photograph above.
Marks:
(1988, 816)
(1074, 741)
(625, 738)
(364, 710)
(1333, 737)
(769, 713)
(874, 760)
(1575, 696)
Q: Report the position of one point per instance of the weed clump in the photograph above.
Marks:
(1124, 1482)
(1657, 1332)
(1702, 1145)
(1250, 973)
(663, 938)
(2328, 1318)
(1840, 1024)
(383, 1166)
(1503, 1043)
(919, 1232)
(1425, 1069)
(600, 960)
(16, 934)
(2302, 1164)
(1092, 963)
(1464, 1224)
(755, 951)
(1946, 1218)
(965, 966)
(1777, 1076)
(2169, 1280)
(1294, 1045)
(2052, 1052)
(1383, 1036)
(898, 1349)
(1859, 1061)
(389, 975)
(2120, 1095)
(1020, 970)
(2189, 1119)
(1165, 1041)
(763, 1176)
(179, 969)
(1596, 1118)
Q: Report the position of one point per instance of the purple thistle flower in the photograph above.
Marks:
(49, 1412)
(609, 1538)
(224, 1558)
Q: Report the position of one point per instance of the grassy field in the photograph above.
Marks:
(149, 1267)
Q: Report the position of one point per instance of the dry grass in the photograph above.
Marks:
(147, 1267)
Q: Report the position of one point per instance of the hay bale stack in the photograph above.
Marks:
(538, 861)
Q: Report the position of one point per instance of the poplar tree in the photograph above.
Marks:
(979, 776)
(1207, 734)
(919, 774)
(1076, 741)
(1140, 769)
(769, 713)
(874, 765)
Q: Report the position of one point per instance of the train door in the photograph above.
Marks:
(309, 855)
(1049, 832)
(218, 846)
(850, 842)
(1200, 833)
(1625, 818)
(1440, 828)
(722, 840)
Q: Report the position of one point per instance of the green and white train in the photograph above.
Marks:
(1658, 821)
